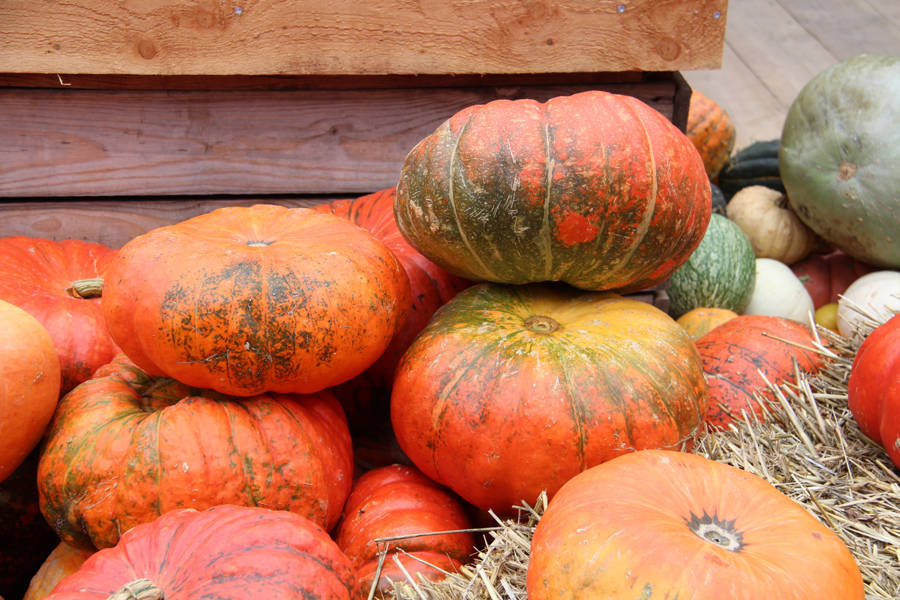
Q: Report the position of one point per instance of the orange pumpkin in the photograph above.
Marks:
(244, 300)
(664, 524)
(699, 321)
(711, 131)
(29, 385)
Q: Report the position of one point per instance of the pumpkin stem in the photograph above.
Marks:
(86, 288)
(139, 589)
(718, 532)
(542, 324)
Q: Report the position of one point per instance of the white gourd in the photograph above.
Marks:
(778, 292)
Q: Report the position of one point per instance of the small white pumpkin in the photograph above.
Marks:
(778, 292)
(773, 228)
(867, 302)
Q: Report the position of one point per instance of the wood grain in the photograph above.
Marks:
(271, 37)
(59, 142)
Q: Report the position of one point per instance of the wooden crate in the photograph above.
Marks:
(116, 117)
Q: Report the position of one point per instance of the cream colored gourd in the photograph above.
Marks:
(774, 229)
(870, 300)
(779, 293)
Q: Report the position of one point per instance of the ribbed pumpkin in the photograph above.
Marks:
(244, 300)
(597, 190)
(711, 131)
(511, 390)
(826, 276)
(225, 552)
(663, 524)
(873, 389)
(62, 561)
(757, 164)
(59, 283)
(398, 500)
(430, 287)
(125, 447)
(734, 354)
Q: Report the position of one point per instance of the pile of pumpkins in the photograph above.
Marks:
(197, 427)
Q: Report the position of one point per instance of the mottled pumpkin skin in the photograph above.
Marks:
(225, 552)
(245, 300)
(873, 389)
(125, 447)
(37, 276)
(595, 189)
(398, 500)
(633, 528)
(735, 352)
(511, 390)
(711, 131)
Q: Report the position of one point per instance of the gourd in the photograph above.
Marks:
(62, 561)
(771, 226)
(664, 524)
(596, 190)
(756, 164)
(542, 375)
(839, 154)
(711, 131)
(60, 284)
(245, 300)
(226, 552)
(778, 292)
(719, 274)
(699, 321)
(125, 447)
(873, 388)
(869, 300)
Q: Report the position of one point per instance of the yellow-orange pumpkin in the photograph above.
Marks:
(711, 131)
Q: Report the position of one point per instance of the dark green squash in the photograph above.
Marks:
(757, 164)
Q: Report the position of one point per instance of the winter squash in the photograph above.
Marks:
(62, 561)
(59, 283)
(737, 354)
(719, 203)
(873, 388)
(125, 447)
(778, 292)
(597, 190)
(244, 300)
(226, 552)
(720, 273)
(826, 276)
(839, 154)
(546, 376)
(770, 224)
(430, 288)
(757, 164)
(699, 321)
(665, 524)
(711, 131)
(876, 294)
(398, 500)
(30, 376)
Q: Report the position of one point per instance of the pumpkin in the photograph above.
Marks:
(839, 154)
(59, 283)
(244, 300)
(25, 538)
(736, 356)
(226, 552)
(30, 376)
(720, 273)
(699, 321)
(778, 292)
(511, 390)
(711, 131)
(62, 561)
(869, 300)
(826, 316)
(664, 524)
(430, 288)
(770, 224)
(873, 388)
(826, 276)
(757, 164)
(398, 500)
(597, 190)
(125, 447)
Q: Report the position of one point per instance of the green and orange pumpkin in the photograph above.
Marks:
(711, 130)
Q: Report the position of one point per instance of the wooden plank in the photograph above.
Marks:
(333, 37)
(847, 28)
(59, 143)
(887, 9)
